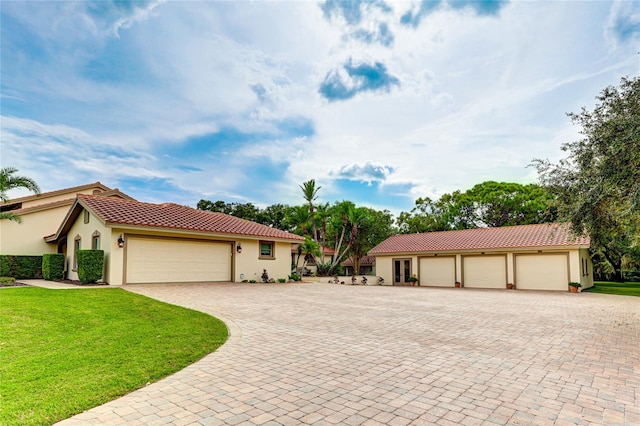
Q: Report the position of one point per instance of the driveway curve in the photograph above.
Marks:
(375, 355)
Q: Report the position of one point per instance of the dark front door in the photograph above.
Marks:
(401, 271)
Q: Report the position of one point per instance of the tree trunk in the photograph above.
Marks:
(616, 264)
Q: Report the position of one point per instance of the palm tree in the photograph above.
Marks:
(299, 217)
(310, 194)
(310, 249)
(7, 182)
(324, 214)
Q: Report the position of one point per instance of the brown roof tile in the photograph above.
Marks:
(72, 190)
(325, 250)
(364, 261)
(173, 216)
(508, 237)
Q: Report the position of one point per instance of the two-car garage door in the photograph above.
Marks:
(162, 260)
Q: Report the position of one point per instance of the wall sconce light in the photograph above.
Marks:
(120, 241)
(239, 248)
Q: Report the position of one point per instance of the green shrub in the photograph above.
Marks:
(7, 280)
(294, 277)
(282, 280)
(53, 266)
(90, 265)
(252, 281)
(25, 267)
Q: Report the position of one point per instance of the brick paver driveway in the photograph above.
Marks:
(331, 354)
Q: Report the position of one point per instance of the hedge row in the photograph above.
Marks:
(50, 266)
(20, 267)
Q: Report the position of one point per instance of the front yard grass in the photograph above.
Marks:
(65, 351)
(608, 287)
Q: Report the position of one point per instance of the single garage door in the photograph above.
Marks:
(484, 271)
(438, 271)
(542, 272)
(163, 260)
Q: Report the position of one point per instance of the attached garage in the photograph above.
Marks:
(163, 260)
(542, 271)
(438, 271)
(484, 271)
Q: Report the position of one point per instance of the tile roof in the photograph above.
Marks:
(364, 261)
(511, 237)
(173, 216)
(326, 250)
(72, 190)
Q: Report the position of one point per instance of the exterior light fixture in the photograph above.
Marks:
(120, 241)
(239, 248)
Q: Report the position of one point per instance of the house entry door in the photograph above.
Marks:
(401, 271)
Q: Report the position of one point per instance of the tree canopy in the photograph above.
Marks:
(487, 204)
(598, 184)
(9, 181)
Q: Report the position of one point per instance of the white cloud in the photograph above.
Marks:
(477, 98)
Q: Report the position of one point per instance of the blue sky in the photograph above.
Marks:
(380, 102)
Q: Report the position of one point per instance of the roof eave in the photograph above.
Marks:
(182, 231)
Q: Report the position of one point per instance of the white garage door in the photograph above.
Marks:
(484, 271)
(438, 271)
(542, 272)
(158, 260)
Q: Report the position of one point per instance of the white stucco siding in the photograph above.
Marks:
(27, 238)
(250, 265)
(85, 232)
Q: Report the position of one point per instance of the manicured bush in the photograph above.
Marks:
(282, 280)
(53, 266)
(90, 265)
(25, 267)
(7, 280)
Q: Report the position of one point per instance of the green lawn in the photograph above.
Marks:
(607, 287)
(64, 351)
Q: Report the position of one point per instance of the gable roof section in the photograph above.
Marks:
(507, 237)
(15, 205)
(325, 250)
(72, 190)
(114, 211)
(364, 261)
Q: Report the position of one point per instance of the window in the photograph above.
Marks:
(86, 216)
(266, 250)
(77, 245)
(95, 241)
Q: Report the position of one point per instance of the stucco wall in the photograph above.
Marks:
(85, 231)
(27, 238)
(249, 266)
(586, 276)
(55, 198)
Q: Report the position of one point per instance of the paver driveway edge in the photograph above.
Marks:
(327, 354)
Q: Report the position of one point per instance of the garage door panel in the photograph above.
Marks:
(485, 271)
(156, 260)
(438, 271)
(542, 272)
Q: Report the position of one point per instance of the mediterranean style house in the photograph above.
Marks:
(145, 242)
(531, 257)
